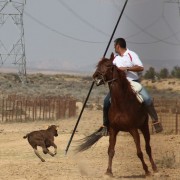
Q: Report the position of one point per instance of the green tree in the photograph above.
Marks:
(176, 72)
(150, 73)
(164, 73)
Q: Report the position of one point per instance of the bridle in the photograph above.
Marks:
(102, 79)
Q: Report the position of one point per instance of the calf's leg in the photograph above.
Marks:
(46, 151)
(50, 153)
(55, 148)
(38, 155)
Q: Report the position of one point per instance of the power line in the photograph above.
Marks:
(157, 40)
(82, 19)
(169, 26)
(60, 33)
(174, 1)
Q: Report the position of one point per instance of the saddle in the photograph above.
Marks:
(136, 87)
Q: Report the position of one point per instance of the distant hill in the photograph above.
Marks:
(58, 83)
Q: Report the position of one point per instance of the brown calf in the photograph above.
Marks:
(43, 138)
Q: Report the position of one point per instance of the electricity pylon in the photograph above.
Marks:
(11, 22)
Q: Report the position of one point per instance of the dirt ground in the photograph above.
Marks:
(18, 161)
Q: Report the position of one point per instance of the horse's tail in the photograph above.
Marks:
(88, 141)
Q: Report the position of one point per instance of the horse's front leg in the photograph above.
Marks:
(111, 151)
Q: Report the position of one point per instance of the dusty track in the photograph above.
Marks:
(18, 161)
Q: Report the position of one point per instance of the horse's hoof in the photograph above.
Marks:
(155, 170)
(110, 174)
(148, 173)
(157, 175)
(42, 160)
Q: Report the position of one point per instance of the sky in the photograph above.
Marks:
(72, 35)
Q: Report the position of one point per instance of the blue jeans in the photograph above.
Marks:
(145, 95)
(106, 106)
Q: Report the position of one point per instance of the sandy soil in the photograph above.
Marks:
(18, 161)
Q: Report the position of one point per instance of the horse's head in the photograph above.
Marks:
(103, 71)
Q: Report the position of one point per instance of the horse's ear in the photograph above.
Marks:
(112, 56)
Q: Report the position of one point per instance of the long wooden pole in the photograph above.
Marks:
(72, 135)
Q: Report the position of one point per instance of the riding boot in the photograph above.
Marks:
(103, 130)
(105, 114)
(152, 112)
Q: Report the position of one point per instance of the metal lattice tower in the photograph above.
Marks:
(12, 49)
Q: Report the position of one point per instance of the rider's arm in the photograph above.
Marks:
(137, 65)
(135, 68)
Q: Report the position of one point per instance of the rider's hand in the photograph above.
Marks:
(122, 68)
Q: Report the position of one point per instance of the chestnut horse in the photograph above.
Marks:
(126, 113)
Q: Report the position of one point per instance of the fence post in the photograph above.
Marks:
(25, 109)
(52, 109)
(176, 118)
(43, 109)
(21, 110)
(49, 108)
(72, 108)
(13, 105)
(35, 109)
(16, 109)
(3, 109)
(6, 112)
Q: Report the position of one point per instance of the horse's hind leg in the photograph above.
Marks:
(111, 151)
(136, 137)
(145, 131)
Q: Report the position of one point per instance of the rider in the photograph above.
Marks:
(128, 61)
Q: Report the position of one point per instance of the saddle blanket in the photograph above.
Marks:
(137, 88)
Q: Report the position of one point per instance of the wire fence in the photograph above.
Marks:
(15, 108)
(168, 111)
(20, 108)
(169, 115)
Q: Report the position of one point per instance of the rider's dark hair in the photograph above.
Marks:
(121, 42)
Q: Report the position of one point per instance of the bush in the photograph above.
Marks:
(150, 74)
(176, 72)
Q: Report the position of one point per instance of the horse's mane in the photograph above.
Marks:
(103, 60)
(122, 79)
(121, 76)
(125, 84)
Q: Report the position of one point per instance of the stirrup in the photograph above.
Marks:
(157, 126)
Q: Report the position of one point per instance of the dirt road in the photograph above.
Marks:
(18, 161)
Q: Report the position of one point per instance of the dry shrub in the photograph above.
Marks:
(168, 160)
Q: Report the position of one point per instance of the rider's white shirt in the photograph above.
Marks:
(129, 59)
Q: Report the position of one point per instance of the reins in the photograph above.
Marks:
(114, 79)
(104, 79)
